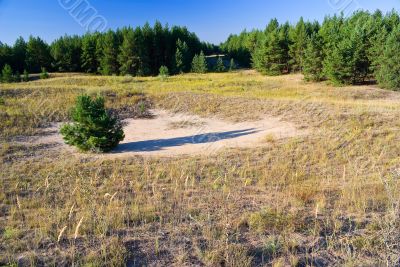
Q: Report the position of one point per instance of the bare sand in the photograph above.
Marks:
(171, 134)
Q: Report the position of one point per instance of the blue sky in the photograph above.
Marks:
(212, 20)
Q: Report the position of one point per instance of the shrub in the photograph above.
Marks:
(44, 74)
(93, 129)
(164, 72)
(7, 74)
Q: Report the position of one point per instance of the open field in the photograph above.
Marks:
(327, 197)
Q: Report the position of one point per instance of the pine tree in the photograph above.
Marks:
(37, 55)
(388, 73)
(232, 65)
(25, 77)
(271, 56)
(199, 64)
(220, 67)
(313, 59)
(298, 38)
(182, 57)
(93, 129)
(90, 63)
(108, 61)
(347, 63)
(129, 55)
(19, 54)
(7, 75)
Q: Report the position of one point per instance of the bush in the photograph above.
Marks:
(44, 74)
(164, 72)
(93, 129)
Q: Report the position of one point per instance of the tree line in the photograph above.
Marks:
(343, 50)
(139, 51)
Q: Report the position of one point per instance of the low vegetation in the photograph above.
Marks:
(328, 197)
(93, 129)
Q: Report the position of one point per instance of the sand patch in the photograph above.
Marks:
(170, 134)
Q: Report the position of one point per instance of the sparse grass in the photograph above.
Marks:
(329, 197)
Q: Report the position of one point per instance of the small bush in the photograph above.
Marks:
(164, 72)
(44, 74)
(93, 129)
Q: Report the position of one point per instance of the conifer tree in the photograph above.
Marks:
(271, 57)
(37, 55)
(93, 129)
(298, 38)
(108, 61)
(182, 55)
(7, 74)
(220, 67)
(388, 73)
(129, 55)
(232, 65)
(89, 58)
(313, 59)
(199, 64)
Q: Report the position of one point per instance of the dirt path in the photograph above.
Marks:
(170, 134)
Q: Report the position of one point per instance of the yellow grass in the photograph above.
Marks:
(329, 197)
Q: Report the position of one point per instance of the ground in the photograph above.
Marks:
(326, 195)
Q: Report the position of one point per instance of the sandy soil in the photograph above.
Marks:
(170, 134)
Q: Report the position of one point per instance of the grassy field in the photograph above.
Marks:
(328, 197)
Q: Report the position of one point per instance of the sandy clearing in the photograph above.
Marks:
(170, 134)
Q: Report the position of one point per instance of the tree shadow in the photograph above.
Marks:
(160, 144)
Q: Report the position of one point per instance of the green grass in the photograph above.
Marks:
(331, 195)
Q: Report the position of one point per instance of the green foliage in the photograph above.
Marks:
(7, 75)
(44, 74)
(220, 67)
(313, 59)
(182, 57)
(108, 58)
(199, 64)
(37, 55)
(25, 77)
(129, 57)
(298, 37)
(232, 65)
(93, 129)
(89, 59)
(271, 57)
(347, 62)
(389, 70)
(164, 72)
(66, 52)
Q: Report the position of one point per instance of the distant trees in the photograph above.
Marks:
(342, 50)
(140, 52)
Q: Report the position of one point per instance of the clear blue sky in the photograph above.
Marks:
(212, 20)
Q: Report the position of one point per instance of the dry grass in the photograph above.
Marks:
(331, 197)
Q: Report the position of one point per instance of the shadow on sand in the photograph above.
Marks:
(160, 144)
